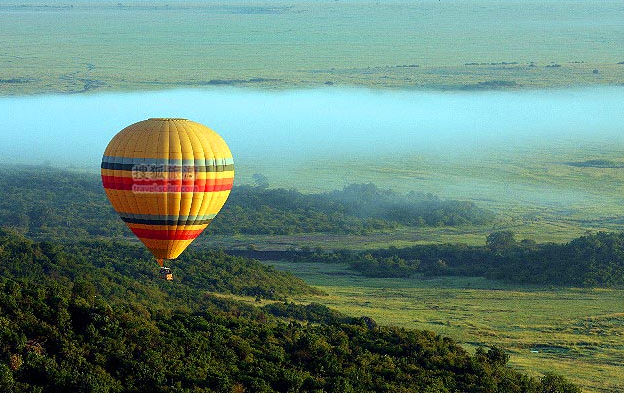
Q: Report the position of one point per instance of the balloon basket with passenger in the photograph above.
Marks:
(165, 272)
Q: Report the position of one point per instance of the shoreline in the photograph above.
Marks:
(470, 77)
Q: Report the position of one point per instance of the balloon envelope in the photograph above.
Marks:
(167, 179)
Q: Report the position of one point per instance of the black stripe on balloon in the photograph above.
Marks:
(146, 221)
(198, 168)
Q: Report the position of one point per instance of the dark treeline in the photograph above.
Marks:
(596, 163)
(47, 203)
(589, 261)
(67, 327)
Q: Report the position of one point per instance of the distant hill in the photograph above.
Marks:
(91, 317)
(358, 208)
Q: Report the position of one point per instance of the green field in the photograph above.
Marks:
(78, 46)
(574, 332)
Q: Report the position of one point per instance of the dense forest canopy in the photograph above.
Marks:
(119, 265)
(53, 204)
(91, 317)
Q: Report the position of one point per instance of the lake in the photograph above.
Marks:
(475, 145)
(326, 123)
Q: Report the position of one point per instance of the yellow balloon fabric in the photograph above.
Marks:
(167, 179)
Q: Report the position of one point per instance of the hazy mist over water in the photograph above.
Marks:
(327, 123)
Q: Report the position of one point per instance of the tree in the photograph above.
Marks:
(552, 383)
(260, 180)
(497, 356)
(501, 241)
(6, 379)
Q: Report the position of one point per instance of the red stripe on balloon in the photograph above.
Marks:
(164, 234)
(166, 185)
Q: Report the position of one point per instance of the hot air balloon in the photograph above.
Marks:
(167, 179)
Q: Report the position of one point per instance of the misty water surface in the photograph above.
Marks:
(327, 124)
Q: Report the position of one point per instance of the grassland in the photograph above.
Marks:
(574, 332)
(80, 46)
